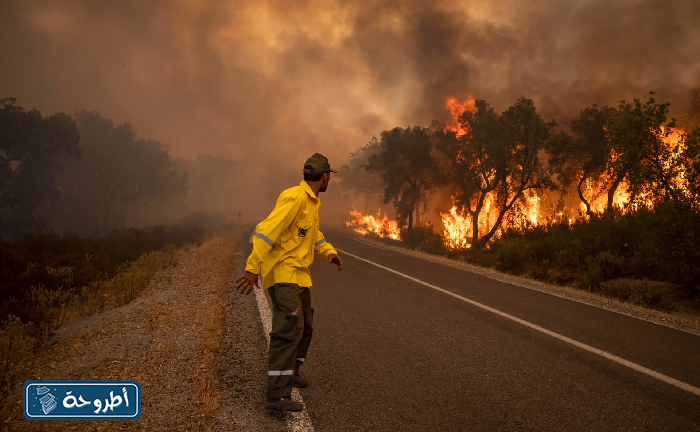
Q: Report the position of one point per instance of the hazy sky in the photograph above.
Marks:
(270, 82)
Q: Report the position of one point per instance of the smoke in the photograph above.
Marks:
(268, 83)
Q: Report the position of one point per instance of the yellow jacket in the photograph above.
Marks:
(284, 243)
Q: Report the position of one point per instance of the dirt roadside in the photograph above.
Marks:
(243, 367)
(199, 367)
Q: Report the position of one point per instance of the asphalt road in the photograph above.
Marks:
(389, 353)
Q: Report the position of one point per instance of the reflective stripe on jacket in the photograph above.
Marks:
(284, 243)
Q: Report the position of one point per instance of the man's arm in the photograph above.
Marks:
(270, 230)
(326, 251)
(266, 234)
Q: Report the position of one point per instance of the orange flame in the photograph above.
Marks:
(383, 227)
(456, 109)
(457, 230)
(457, 226)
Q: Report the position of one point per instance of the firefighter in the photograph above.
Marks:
(283, 250)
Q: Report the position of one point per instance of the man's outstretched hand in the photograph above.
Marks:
(335, 259)
(246, 283)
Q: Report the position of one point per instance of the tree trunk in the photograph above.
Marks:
(410, 222)
(501, 214)
(475, 221)
(485, 239)
(580, 195)
(613, 189)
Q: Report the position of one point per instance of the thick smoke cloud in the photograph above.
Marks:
(270, 82)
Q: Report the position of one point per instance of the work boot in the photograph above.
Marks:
(283, 404)
(299, 382)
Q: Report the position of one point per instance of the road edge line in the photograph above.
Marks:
(297, 422)
(522, 285)
(619, 360)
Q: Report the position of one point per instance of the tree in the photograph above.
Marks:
(588, 153)
(630, 143)
(500, 155)
(407, 167)
(116, 173)
(669, 169)
(475, 161)
(31, 146)
(691, 168)
(637, 147)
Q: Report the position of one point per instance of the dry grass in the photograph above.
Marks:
(205, 374)
(168, 339)
(19, 340)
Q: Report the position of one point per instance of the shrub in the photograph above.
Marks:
(423, 238)
(593, 276)
(601, 266)
(671, 249)
(14, 344)
(610, 265)
(512, 255)
(541, 271)
(617, 288)
(641, 294)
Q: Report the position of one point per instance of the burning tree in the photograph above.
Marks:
(500, 165)
(408, 169)
(588, 153)
(497, 160)
(629, 155)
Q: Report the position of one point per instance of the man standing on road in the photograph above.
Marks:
(283, 250)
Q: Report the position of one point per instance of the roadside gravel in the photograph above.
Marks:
(243, 362)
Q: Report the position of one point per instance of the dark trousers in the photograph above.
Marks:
(292, 327)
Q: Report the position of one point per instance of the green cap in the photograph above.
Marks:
(317, 164)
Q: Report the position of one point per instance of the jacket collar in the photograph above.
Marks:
(308, 190)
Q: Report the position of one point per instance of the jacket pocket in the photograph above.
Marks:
(303, 230)
(285, 325)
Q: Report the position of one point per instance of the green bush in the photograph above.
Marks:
(593, 277)
(610, 265)
(512, 255)
(601, 266)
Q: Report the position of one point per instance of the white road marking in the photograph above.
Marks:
(300, 421)
(521, 285)
(614, 358)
